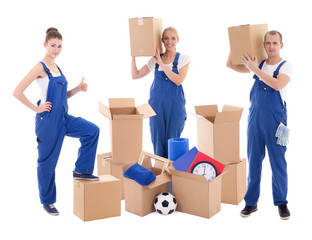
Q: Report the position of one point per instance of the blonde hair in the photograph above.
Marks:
(172, 29)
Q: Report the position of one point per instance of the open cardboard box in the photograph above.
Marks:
(194, 194)
(139, 199)
(247, 39)
(106, 166)
(145, 36)
(218, 132)
(126, 126)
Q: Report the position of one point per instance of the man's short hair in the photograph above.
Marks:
(274, 32)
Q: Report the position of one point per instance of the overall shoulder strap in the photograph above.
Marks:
(176, 59)
(276, 72)
(261, 64)
(46, 69)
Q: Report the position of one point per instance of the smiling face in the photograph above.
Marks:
(170, 40)
(53, 47)
(273, 45)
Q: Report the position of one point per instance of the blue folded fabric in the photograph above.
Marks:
(140, 174)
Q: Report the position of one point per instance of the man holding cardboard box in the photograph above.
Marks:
(267, 122)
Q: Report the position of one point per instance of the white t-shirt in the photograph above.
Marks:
(43, 84)
(183, 60)
(285, 69)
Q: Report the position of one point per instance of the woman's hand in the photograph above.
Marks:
(157, 56)
(44, 107)
(83, 86)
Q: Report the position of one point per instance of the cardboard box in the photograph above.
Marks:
(218, 132)
(97, 199)
(105, 166)
(247, 39)
(195, 195)
(126, 126)
(145, 36)
(234, 183)
(139, 199)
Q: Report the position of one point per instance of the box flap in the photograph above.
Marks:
(121, 102)
(104, 110)
(160, 179)
(232, 116)
(146, 110)
(187, 175)
(128, 117)
(229, 108)
(207, 111)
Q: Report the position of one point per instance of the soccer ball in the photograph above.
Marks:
(165, 203)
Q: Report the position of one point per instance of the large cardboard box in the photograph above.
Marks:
(234, 183)
(247, 39)
(97, 199)
(218, 132)
(195, 195)
(126, 126)
(145, 36)
(140, 199)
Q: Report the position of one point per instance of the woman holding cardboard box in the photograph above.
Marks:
(53, 122)
(267, 122)
(166, 93)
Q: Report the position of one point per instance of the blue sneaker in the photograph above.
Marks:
(83, 176)
(50, 209)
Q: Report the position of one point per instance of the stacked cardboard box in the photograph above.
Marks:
(247, 39)
(126, 126)
(218, 137)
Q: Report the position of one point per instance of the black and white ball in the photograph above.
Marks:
(165, 203)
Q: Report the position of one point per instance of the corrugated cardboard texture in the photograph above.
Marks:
(145, 36)
(97, 199)
(247, 39)
(234, 183)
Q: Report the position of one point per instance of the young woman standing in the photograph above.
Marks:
(53, 122)
(166, 93)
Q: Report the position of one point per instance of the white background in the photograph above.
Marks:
(96, 45)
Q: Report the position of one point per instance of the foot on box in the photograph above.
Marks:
(84, 176)
(248, 210)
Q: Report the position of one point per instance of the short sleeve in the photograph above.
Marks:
(151, 64)
(286, 69)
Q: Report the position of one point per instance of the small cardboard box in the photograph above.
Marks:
(234, 183)
(145, 36)
(105, 166)
(97, 199)
(247, 39)
(195, 195)
(218, 132)
(140, 199)
(126, 126)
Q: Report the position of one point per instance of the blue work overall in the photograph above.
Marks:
(167, 100)
(51, 128)
(266, 112)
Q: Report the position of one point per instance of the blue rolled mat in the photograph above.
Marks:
(177, 147)
(184, 162)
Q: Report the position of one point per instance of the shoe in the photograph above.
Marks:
(50, 209)
(283, 212)
(248, 210)
(89, 177)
